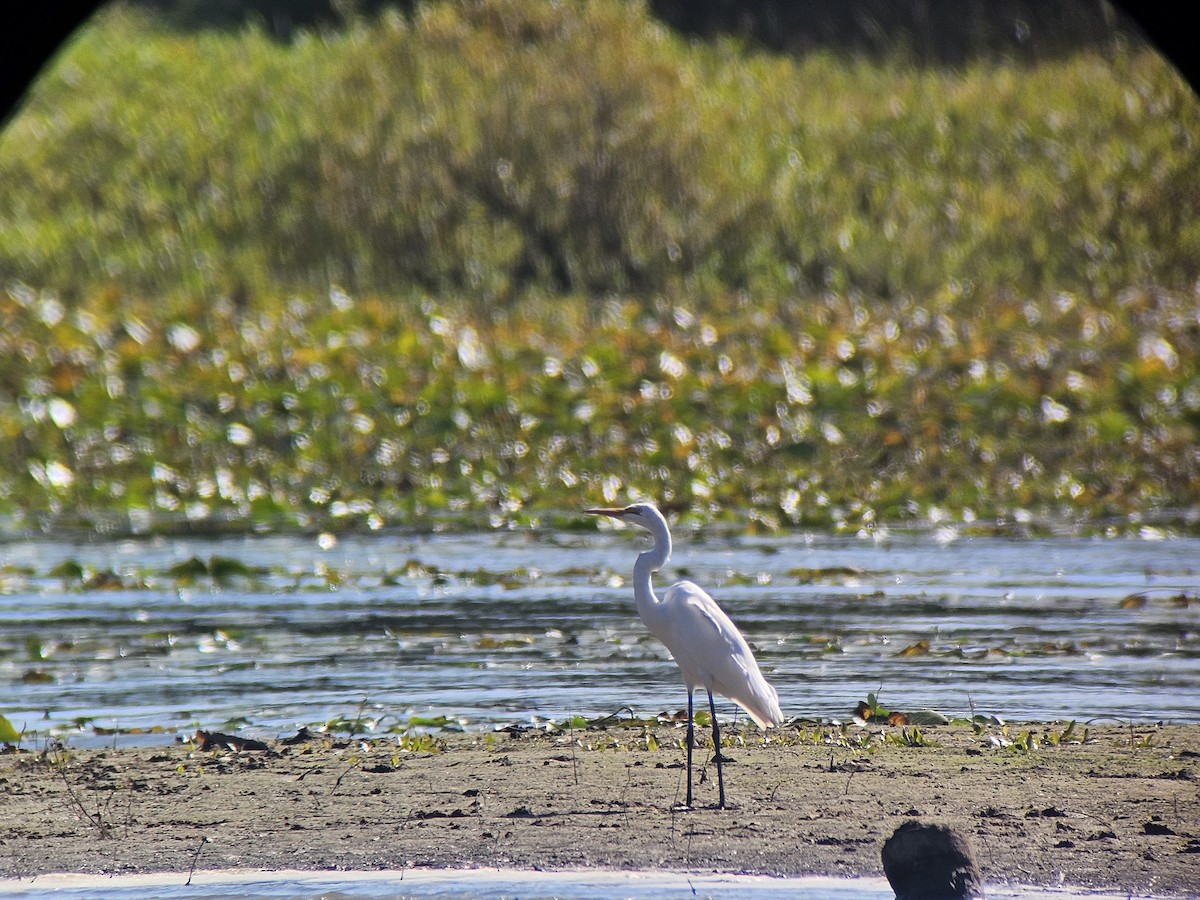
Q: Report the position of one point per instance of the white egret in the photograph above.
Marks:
(708, 648)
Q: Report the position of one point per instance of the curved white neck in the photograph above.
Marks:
(647, 564)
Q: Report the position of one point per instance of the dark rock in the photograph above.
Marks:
(215, 740)
(1155, 827)
(302, 736)
(931, 862)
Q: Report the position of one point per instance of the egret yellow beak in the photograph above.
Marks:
(614, 513)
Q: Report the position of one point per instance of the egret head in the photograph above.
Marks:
(643, 514)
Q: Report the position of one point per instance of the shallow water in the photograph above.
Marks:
(504, 627)
(485, 884)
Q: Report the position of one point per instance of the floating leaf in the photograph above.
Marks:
(35, 649)
(222, 568)
(487, 642)
(927, 717)
(8, 734)
(807, 576)
(106, 580)
(189, 569)
(68, 569)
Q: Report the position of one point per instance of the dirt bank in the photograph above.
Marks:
(1117, 811)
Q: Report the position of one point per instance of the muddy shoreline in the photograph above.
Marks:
(1119, 810)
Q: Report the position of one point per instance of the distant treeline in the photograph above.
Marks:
(935, 31)
(491, 150)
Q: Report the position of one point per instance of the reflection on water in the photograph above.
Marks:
(501, 627)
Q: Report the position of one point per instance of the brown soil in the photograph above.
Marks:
(1119, 811)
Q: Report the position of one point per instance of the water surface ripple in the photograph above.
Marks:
(505, 627)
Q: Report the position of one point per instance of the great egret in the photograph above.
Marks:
(709, 650)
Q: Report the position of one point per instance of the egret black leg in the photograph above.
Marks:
(712, 708)
(690, 741)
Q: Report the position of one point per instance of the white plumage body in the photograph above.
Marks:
(711, 652)
(708, 648)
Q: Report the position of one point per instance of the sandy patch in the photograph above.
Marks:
(1118, 812)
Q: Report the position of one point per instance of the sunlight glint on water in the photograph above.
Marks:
(498, 628)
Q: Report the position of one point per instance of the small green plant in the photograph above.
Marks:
(1069, 735)
(8, 733)
(419, 743)
(1027, 742)
(847, 736)
(650, 739)
(1145, 742)
(997, 732)
(349, 725)
(574, 722)
(910, 737)
(872, 710)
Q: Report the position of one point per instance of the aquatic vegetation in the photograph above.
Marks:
(574, 722)
(219, 568)
(414, 467)
(825, 573)
(68, 570)
(920, 648)
(410, 730)
(798, 292)
(351, 725)
(442, 723)
(872, 711)
(1033, 629)
(1181, 599)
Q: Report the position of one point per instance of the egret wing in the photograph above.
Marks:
(712, 653)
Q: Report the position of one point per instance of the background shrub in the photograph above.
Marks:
(490, 257)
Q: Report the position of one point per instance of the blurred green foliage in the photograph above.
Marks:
(503, 257)
(487, 149)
